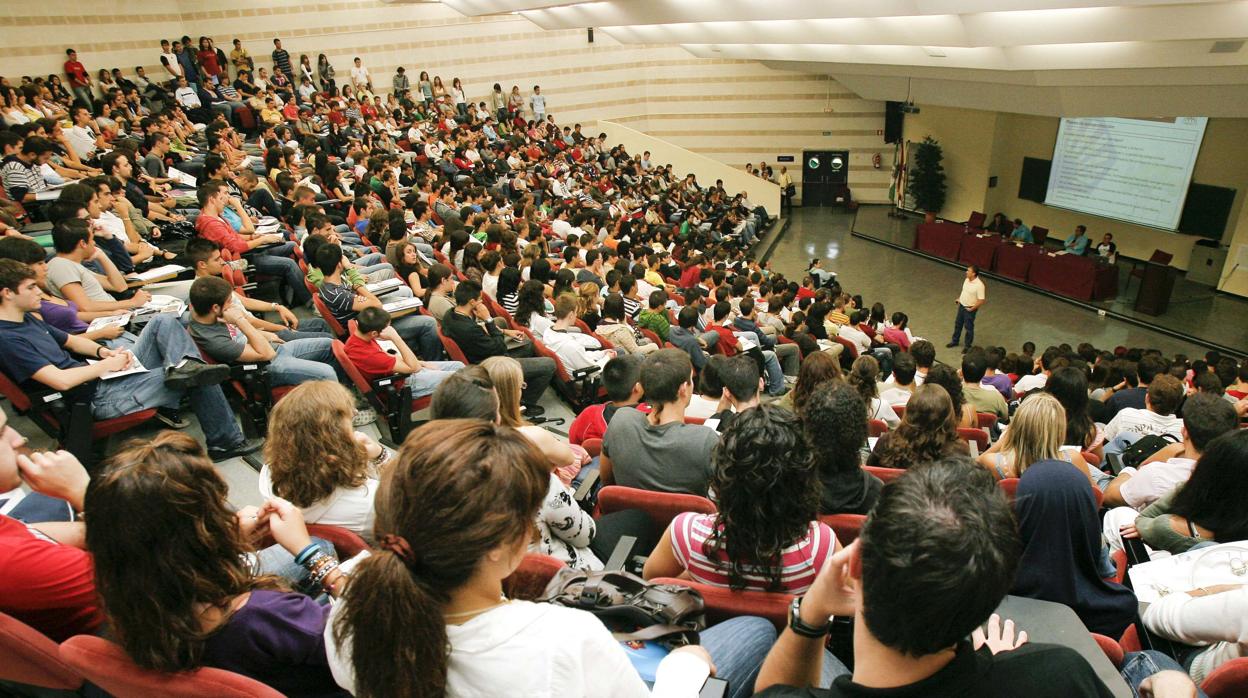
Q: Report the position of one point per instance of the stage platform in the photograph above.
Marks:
(1197, 314)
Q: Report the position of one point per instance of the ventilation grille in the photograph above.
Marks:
(1226, 46)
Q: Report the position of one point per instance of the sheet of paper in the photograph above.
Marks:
(109, 321)
(135, 367)
(163, 304)
(385, 285)
(158, 272)
(388, 346)
(48, 195)
(181, 177)
(401, 304)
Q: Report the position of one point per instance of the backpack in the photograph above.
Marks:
(632, 608)
(1139, 451)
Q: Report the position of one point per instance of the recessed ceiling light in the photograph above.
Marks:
(934, 52)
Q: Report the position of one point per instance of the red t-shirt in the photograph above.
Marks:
(803, 292)
(727, 344)
(370, 358)
(690, 276)
(76, 72)
(220, 232)
(47, 586)
(208, 61)
(590, 423)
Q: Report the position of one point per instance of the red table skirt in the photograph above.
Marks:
(980, 251)
(1076, 277)
(941, 239)
(1014, 261)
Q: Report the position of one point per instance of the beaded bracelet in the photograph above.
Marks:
(306, 553)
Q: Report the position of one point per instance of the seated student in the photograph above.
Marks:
(654, 317)
(438, 289)
(741, 387)
(981, 399)
(895, 332)
(1035, 381)
(1205, 418)
(1161, 400)
(222, 331)
(912, 622)
(469, 324)
(371, 265)
(202, 603)
(684, 336)
(1077, 242)
(373, 324)
(1036, 433)
(729, 345)
(74, 242)
(993, 378)
(345, 301)
(427, 613)
(658, 451)
(621, 378)
(817, 368)
(276, 257)
(573, 348)
(57, 312)
(900, 385)
(766, 535)
(47, 573)
(862, 377)
(1208, 507)
(37, 356)
(316, 461)
(708, 396)
(1061, 555)
(928, 432)
(947, 378)
(205, 256)
(614, 329)
(1136, 379)
(924, 354)
(835, 422)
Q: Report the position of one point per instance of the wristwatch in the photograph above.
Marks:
(799, 626)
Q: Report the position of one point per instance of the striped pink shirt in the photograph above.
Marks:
(802, 560)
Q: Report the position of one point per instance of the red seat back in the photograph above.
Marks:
(846, 526)
(900, 410)
(977, 219)
(695, 420)
(334, 326)
(1009, 486)
(723, 604)
(593, 447)
(31, 658)
(979, 436)
(357, 379)
(528, 582)
(345, 542)
(1161, 257)
(1130, 639)
(1039, 234)
(14, 392)
(1229, 680)
(1111, 648)
(661, 506)
(452, 349)
(985, 420)
(1091, 457)
(885, 474)
(107, 666)
(877, 427)
(850, 349)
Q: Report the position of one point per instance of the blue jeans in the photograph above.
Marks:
(278, 561)
(1137, 666)
(303, 360)
(773, 373)
(420, 332)
(967, 318)
(277, 262)
(309, 328)
(1121, 442)
(426, 380)
(162, 344)
(739, 645)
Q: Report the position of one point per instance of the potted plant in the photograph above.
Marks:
(927, 178)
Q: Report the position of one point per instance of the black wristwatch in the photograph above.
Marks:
(799, 626)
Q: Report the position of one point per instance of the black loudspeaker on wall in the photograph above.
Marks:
(591, 35)
(893, 118)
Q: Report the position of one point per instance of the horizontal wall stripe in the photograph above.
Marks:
(763, 132)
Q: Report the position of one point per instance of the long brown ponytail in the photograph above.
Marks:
(457, 489)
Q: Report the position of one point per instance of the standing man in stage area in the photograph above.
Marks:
(969, 302)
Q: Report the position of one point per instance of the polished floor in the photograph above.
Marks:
(926, 290)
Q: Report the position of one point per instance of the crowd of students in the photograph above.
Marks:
(540, 252)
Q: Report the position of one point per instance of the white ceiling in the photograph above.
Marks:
(1064, 57)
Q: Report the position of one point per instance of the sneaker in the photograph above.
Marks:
(242, 448)
(951, 345)
(532, 410)
(363, 415)
(170, 418)
(195, 374)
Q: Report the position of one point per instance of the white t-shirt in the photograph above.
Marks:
(530, 649)
(359, 75)
(1154, 480)
(349, 508)
(82, 140)
(883, 411)
(573, 350)
(857, 336)
(894, 396)
(1143, 422)
(1035, 381)
(972, 292)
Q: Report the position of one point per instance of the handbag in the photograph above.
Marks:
(633, 609)
(1140, 450)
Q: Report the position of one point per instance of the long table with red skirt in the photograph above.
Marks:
(1015, 260)
(940, 239)
(980, 249)
(1074, 276)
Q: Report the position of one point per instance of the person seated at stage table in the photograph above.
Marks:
(1077, 243)
(1021, 233)
(1107, 250)
(999, 224)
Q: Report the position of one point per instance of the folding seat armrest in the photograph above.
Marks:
(587, 486)
(622, 553)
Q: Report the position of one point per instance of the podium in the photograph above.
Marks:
(1155, 287)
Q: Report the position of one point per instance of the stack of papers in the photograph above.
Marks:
(181, 177)
(388, 346)
(134, 367)
(102, 322)
(381, 286)
(401, 304)
(162, 304)
(158, 273)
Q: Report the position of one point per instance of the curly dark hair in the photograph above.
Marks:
(947, 378)
(768, 493)
(927, 433)
(835, 420)
(531, 298)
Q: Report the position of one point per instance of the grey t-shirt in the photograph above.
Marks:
(218, 342)
(154, 166)
(668, 458)
(62, 272)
